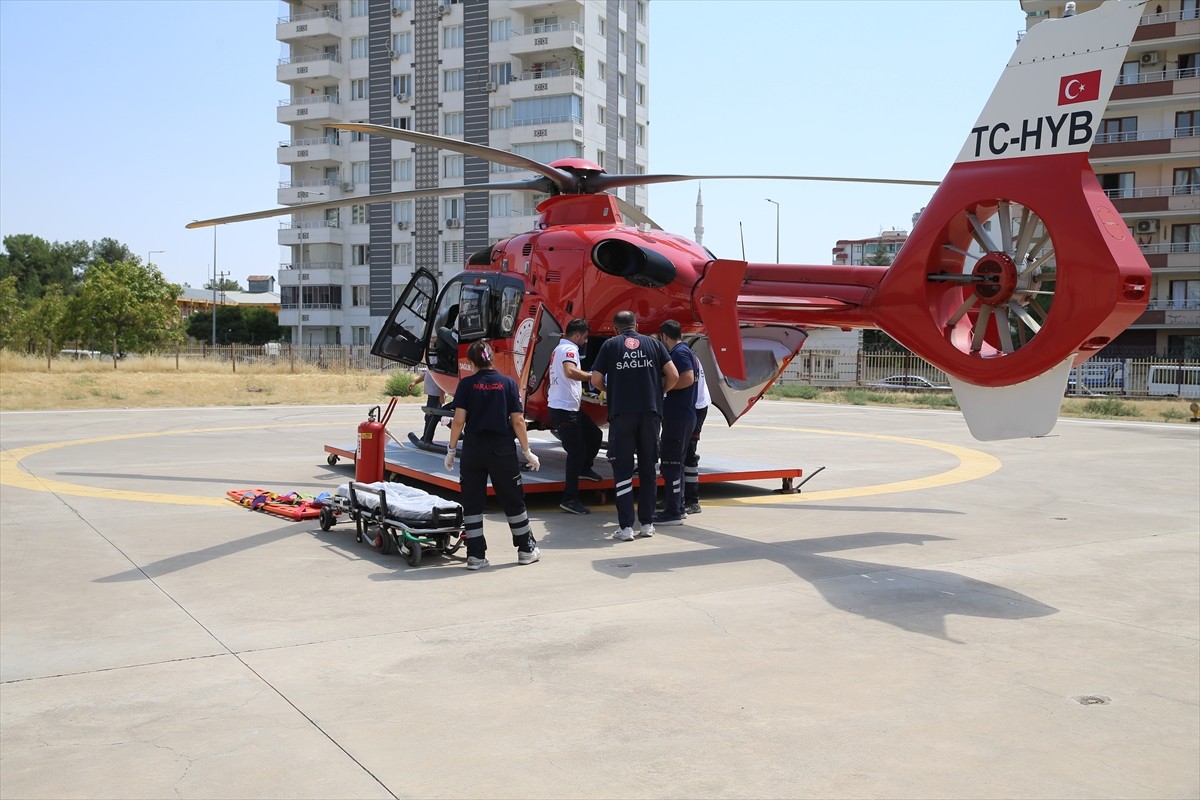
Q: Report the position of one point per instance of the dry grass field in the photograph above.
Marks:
(27, 384)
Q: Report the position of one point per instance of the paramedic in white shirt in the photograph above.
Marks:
(579, 435)
(691, 459)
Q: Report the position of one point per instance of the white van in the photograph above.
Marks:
(1168, 381)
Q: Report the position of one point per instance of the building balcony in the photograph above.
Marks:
(293, 193)
(310, 67)
(540, 38)
(1162, 142)
(322, 24)
(320, 273)
(309, 151)
(549, 82)
(1168, 25)
(313, 108)
(1171, 314)
(547, 129)
(1174, 256)
(314, 232)
(1161, 83)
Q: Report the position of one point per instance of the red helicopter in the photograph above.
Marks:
(1018, 269)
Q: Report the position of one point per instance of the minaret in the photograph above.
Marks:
(699, 217)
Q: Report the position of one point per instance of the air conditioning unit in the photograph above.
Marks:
(454, 223)
(1147, 226)
(347, 187)
(402, 97)
(397, 11)
(1150, 58)
(444, 9)
(492, 86)
(402, 225)
(393, 55)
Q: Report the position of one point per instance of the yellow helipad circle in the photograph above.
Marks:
(972, 465)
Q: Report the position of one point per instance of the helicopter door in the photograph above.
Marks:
(768, 351)
(406, 331)
(533, 348)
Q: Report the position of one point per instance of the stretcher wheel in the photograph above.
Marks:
(415, 551)
(326, 518)
(385, 541)
(331, 459)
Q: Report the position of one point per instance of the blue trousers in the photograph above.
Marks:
(630, 434)
(676, 433)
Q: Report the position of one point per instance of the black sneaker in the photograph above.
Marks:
(590, 475)
(574, 507)
(691, 508)
(662, 519)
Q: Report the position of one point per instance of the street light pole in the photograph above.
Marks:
(214, 285)
(151, 253)
(769, 200)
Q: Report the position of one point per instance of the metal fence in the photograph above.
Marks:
(1121, 377)
(248, 357)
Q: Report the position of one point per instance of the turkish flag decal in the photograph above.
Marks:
(1079, 88)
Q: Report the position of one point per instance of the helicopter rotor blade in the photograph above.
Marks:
(605, 182)
(631, 214)
(564, 181)
(533, 185)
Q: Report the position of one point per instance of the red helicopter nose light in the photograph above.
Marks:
(1135, 288)
(1095, 343)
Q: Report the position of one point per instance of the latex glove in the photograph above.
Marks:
(449, 462)
(534, 463)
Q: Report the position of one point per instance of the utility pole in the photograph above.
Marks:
(214, 285)
(769, 200)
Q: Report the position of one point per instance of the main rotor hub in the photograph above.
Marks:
(1001, 276)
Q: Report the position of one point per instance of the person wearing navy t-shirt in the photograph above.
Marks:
(635, 370)
(679, 417)
(488, 408)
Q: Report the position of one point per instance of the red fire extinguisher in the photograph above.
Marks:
(372, 440)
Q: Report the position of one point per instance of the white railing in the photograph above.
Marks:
(320, 223)
(1170, 247)
(570, 26)
(1157, 77)
(1173, 305)
(337, 57)
(307, 183)
(1146, 136)
(314, 265)
(1153, 191)
(308, 16)
(308, 99)
(533, 74)
(520, 123)
(309, 142)
(1169, 16)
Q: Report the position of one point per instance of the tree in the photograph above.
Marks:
(224, 285)
(237, 325)
(12, 314)
(110, 250)
(37, 264)
(49, 323)
(126, 305)
(262, 325)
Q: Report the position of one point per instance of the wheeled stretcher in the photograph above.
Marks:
(395, 518)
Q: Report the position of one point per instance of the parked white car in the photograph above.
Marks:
(907, 382)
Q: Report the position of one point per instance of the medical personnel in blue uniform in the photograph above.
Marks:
(487, 407)
(635, 370)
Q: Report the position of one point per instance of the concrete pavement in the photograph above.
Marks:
(932, 617)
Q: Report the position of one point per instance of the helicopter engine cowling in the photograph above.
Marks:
(638, 265)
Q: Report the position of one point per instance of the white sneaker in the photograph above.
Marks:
(646, 532)
(530, 557)
(624, 535)
(477, 563)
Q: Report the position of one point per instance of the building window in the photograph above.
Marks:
(500, 118)
(545, 110)
(452, 166)
(360, 296)
(358, 47)
(1185, 238)
(1187, 123)
(621, 41)
(361, 334)
(360, 173)
(402, 169)
(639, 135)
(544, 24)
(1129, 72)
(402, 43)
(639, 94)
(452, 123)
(1122, 129)
(641, 11)
(500, 30)
(401, 84)
(547, 152)
(501, 73)
(358, 214)
(452, 80)
(452, 36)
(452, 252)
(1185, 294)
(621, 83)
(360, 88)
(600, 158)
(403, 123)
(452, 206)
(359, 8)
(500, 205)
(640, 52)
(358, 136)
(602, 27)
(1187, 64)
(600, 115)
(1117, 184)
(358, 255)
(402, 254)
(402, 211)
(1187, 181)
(601, 71)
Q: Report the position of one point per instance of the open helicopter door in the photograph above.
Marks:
(406, 333)
(533, 349)
(767, 351)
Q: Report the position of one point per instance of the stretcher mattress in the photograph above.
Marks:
(404, 503)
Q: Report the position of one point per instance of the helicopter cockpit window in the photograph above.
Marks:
(472, 312)
(510, 305)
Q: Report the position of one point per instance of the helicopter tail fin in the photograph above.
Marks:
(1020, 259)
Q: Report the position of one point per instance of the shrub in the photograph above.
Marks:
(795, 391)
(402, 384)
(1109, 407)
(1172, 414)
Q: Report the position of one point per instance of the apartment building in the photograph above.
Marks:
(1147, 157)
(878, 250)
(547, 79)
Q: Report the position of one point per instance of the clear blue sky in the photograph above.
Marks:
(130, 119)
